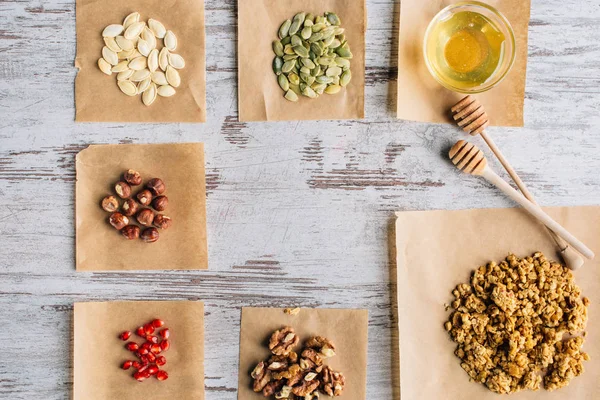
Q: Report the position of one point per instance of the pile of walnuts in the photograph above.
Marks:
(151, 198)
(509, 324)
(287, 375)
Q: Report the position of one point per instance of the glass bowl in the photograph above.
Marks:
(432, 45)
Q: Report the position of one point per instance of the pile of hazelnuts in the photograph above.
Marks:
(141, 207)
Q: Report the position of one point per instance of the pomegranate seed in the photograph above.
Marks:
(152, 370)
(162, 375)
(146, 345)
(143, 368)
(140, 331)
(125, 336)
(165, 333)
(139, 376)
(144, 360)
(152, 339)
(127, 365)
(165, 345)
(157, 323)
(161, 360)
(156, 348)
(132, 346)
(136, 365)
(151, 357)
(149, 329)
(143, 351)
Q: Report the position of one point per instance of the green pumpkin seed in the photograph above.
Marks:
(319, 88)
(315, 37)
(336, 80)
(319, 19)
(308, 92)
(291, 96)
(333, 19)
(307, 62)
(343, 52)
(296, 41)
(295, 89)
(324, 79)
(306, 32)
(288, 66)
(327, 42)
(316, 71)
(335, 43)
(318, 27)
(289, 57)
(333, 71)
(288, 49)
(305, 71)
(283, 82)
(286, 40)
(278, 48)
(284, 29)
(324, 60)
(317, 49)
(338, 31)
(277, 65)
(333, 89)
(341, 62)
(345, 78)
(300, 17)
(310, 17)
(294, 79)
(301, 51)
(308, 22)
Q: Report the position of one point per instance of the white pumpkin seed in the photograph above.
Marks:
(149, 95)
(143, 47)
(144, 85)
(138, 63)
(131, 19)
(124, 54)
(139, 76)
(163, 58)
(157, 28)
(153, 60)
(176, 61)
(112, 30)
(127, 87)
(173, 77)
(134, 54)
(120, 67)
(124, 44)
(125, 75)
(110, 56)
(112, 44)
(134, 30)
(170, 41)
(149, 37)
(165, 91)
(159, 78)
(104, 66)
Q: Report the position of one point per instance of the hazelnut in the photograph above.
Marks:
(131, 232)
(144, 197)
(130, 207)
(149, 235)
(145, 217)
(162, 221)
(157, 186)
(118, 220)
(123, 190)
(160, 203)
(132, 177)
(110, 204)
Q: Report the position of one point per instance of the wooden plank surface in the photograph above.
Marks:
(299, 212)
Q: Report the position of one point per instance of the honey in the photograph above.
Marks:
(466, 49)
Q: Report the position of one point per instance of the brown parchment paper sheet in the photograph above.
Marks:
(100, 247)
(99, 353)
(259, 96)
(422, 98)
(348, 329)
(436, 250)
(97, 96)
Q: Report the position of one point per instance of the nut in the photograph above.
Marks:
(110, 204)
(149, 235)
(144, 197)
(145, 217)
(118, 220)
(160, 203)
(123, 190)
(130, 207)
(131, 232)
(333, 382)
(132, 177)
(156, 185)
(283, 341)
(162, 221)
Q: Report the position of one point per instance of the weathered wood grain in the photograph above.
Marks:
(306, 203)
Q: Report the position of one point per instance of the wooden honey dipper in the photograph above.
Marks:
(468, 158)
(470, 115)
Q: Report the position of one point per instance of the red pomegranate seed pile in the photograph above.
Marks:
(155, 342)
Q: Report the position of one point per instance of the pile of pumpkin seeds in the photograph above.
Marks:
(312, 56)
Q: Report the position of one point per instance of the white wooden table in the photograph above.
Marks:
(298, 212)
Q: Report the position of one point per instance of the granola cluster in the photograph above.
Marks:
(510, 321)
(287, 375)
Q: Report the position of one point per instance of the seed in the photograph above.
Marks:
(159, 78)
(161, 360)
(127, 87)
(306, 32)
(284, 29)
(162, 375)
(112, 30)
(149, 329)
(296, 41)
(165, 345)
(143, 351)
(127, 364)
(152, 370)
(104, 66)
(139, 376)
(140, 75)
(144, 85)
(333, 89)
(289, 57)
(143, 47)
(130, 19)
(294, 79)
(151, 357)
(138, 63)
(125, 335)
(163, 58)
(283, 82)
(333, 71)
(176, 61)
(170, 41)
(149, 95)
(288, 66)
(278, 48)
(165, 91)
(149, 37)
(300, 50)
(123, 76)
(112, 44)
(324, 79)
(344, 52)
(134, 30)
(291, 96)
(120, 67)
(124, 44)
(342, 62)
(165, 333)
(157, 28)
(277, 65)
(132, 346)
(308, 92)
(173, 77)
(345, 78)
(110, 56)
(153, 60)
(155, 348)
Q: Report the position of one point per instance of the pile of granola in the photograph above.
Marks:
(510, 321)
(287, 375)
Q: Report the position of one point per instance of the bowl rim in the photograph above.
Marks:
(502, 18)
